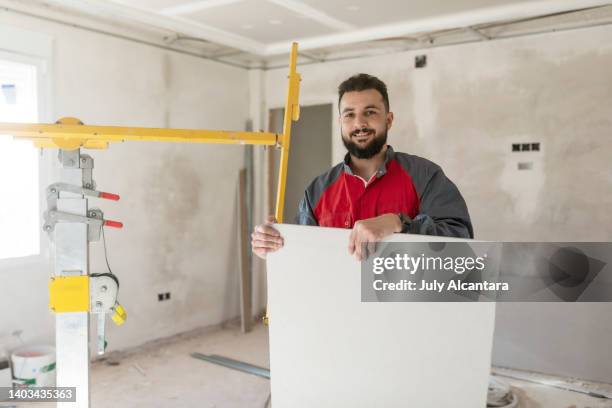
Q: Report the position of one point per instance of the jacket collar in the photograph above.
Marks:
(382, 170)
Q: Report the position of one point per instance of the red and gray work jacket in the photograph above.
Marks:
(406, 184)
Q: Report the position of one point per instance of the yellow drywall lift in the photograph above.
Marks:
(75, 293)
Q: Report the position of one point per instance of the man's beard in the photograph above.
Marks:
(371, 149)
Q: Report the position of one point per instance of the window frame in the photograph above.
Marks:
(35, 49)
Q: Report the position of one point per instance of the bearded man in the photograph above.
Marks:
(374, 190)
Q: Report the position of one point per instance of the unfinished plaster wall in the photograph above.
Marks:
(178, 201)
(464, 110)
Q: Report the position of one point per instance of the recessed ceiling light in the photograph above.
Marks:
(353, 7)
(275, 22)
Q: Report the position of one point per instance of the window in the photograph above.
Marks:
(19, 186)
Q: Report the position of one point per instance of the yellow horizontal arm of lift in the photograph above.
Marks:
(70, 135)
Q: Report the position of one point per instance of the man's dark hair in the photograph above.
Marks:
(363, 82)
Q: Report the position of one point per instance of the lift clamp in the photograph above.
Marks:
(94, 219)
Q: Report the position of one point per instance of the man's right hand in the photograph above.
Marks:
(266, 239)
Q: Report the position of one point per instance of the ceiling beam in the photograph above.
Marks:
(479, 33)
(317, 15)
(127, 13)
(312, 57)
(194, 6)
(226, 53)
(442, 22)
(359, 54)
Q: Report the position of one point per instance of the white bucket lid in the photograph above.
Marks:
(32, 353)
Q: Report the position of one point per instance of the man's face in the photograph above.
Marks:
(364, 122)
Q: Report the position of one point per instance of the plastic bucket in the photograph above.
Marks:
(34, 366)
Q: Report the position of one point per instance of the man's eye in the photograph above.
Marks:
(349, 115)
(370, 113)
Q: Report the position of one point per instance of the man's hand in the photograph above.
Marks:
(370, 231)
(266, 239)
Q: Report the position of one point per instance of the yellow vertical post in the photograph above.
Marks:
(292, 113)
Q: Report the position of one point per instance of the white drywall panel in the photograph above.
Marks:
(328, 349)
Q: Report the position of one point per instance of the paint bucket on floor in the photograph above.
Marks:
(34, 366)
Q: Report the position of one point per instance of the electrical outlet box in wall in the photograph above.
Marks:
(523, 148)
(163, 296)
(526, 147)
(420, 61)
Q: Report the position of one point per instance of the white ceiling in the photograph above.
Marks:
(265, 28)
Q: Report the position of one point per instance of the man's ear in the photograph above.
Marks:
(389, 120)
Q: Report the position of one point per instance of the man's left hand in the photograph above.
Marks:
(366, 232)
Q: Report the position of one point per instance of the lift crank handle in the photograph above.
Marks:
(113, 224)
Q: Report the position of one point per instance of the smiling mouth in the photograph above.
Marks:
(362, 136)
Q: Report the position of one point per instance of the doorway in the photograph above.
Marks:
(310, 153)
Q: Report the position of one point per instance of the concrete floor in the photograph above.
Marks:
(166, 375)
(162, 374)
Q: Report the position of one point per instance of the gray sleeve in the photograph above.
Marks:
(305, 215)
(442, 210)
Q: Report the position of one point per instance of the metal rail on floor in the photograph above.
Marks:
(233, 364)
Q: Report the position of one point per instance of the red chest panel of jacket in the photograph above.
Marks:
(349, 199)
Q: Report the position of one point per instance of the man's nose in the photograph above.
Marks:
(360, 122)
